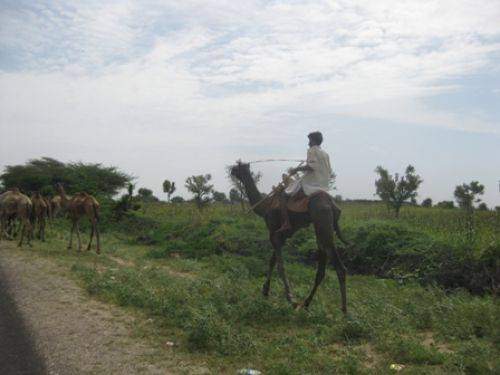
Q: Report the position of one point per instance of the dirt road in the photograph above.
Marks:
(70, 333)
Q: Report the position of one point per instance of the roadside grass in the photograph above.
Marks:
(197, 277)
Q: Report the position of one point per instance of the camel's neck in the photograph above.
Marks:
(253, 194)
(63, 195)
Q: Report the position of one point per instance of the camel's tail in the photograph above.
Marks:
(336, 227)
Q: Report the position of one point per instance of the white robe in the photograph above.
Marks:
(316, 180)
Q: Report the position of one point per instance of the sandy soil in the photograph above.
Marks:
(72, 333)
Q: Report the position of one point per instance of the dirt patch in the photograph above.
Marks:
(429, 341)
(74, 334)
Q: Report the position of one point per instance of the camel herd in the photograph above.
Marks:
(28, 215)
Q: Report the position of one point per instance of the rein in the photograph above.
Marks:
(272, 192)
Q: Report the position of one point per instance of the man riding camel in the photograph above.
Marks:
(317, 176)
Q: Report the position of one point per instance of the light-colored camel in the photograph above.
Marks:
(81, 204)
(57, 205)
(14, 204)
(40, 214)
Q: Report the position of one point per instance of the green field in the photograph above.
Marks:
(198, 277)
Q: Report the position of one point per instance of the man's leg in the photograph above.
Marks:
(285, 220)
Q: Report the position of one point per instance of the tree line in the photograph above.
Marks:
(42, 174)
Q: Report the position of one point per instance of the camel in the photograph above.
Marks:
(82, 204)
(40, 213)
(56, 205)
(14, 204)
(322, 213)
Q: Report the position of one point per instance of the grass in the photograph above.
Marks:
(198, 277)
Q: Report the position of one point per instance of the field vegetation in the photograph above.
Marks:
(421, 291)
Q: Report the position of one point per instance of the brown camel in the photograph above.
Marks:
(14, 204)
(40, 214)
(322, 213)
(82, 204)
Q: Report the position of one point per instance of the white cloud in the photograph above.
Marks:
(155, 75)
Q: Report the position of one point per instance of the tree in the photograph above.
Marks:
(146, 195)
(466, 195)
(177, 199)
(42, 174)
(427, 202)
(168, 188)
(238, 185)
(219, 197)
(394, 191)
(482, 207)
(338, 198)
(234, 196)
(446, 204)
(200, 188)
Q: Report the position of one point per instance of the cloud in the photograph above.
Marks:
(224, 75)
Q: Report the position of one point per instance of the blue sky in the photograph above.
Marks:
(170, 89)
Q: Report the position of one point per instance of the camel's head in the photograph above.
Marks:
(240, 169)
(59, 187)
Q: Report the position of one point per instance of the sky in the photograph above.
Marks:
(169, 89)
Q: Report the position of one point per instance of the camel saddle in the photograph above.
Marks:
(299, 202)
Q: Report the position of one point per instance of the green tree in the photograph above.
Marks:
(219, 197)
(427, 202)
(168, 188)
(446, 204)
(146, 195)
(200, 188)
(482, 207)
(394, 191)
(42, 174)
(466, 195)
(177, 199)
(234, 196)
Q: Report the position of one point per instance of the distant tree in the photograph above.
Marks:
(146, 195)
(497, 209)
(427, 202)
(338, 198)
(482, 207)
(394, 191)
(238, 185)
(466, 195)
(177, 199)
(234, 196)
(125, 203)
(446, 204)
(42, 174)
(200, 188)
(168, 188)
(219, 197)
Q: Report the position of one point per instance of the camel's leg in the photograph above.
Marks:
(341, 275)
(267, 284)
(322, 218)
(70, 245)
(98, 241)
(42, 229)
(78, 237)
(320, 274)
(91, 237)
(277, 243)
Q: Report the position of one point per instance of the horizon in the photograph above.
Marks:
(168, 90)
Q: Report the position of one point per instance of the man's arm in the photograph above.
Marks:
(305, 168)
(311, 159)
